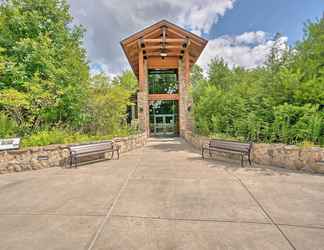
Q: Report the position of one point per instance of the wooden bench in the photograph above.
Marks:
(78, 151)
(234, 147)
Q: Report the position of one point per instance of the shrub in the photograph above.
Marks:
(45, 137)
(295, 124)
(60, 136)
(8, 127)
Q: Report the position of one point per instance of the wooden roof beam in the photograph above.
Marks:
(169, 49)
(166, 47)
(167, 40)
(168, 54)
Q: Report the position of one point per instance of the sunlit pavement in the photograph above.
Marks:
(163, 196)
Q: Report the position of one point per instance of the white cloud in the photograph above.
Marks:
(109, 21)
(248, 50)
(199, 16)
(251, 37)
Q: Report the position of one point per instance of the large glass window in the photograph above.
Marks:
(163, 82)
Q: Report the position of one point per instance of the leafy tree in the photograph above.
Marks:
(127, 80)
(41, 61)
(107, 103)
(196, 74)
(219, 73)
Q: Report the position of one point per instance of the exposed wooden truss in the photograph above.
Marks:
(162, 40)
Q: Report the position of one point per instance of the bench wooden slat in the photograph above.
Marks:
(232, 145)
(228, 146)
(91, 146)
(78, 151)
(237, 144)
(90, 149)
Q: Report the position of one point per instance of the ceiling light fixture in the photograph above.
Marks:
(163, 53)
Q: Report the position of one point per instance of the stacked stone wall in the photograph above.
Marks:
(309, 159)
(54, 155)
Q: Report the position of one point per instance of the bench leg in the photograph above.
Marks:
(242, 160)
(202, 153)
(71, 161)
(210, 154)
(250, 160)
(112, 155)
(75, 162)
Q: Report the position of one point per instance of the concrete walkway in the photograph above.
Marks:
(162, 196)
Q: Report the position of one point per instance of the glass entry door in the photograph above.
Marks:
(164, 118)
(164, 125)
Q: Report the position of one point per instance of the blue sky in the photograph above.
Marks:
(239, 31)
(284, 16)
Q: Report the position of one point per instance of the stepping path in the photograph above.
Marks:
(162, 196)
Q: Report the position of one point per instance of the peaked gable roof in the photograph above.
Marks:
(163, 35)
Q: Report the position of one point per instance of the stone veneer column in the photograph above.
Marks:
(185, 100)
(142, 102)
(182, 99)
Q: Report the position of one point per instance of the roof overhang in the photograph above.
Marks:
(162, 40)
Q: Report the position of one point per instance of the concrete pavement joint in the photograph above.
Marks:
(160, 218)
(189, 219)
(214, 220)
(265, 212)
(301, 226)
(107, 216)
(51, 214)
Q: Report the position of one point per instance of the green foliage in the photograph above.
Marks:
(8, 127)
(297, 123)
(280, 102)
(107, 103)
(196, 74)
(45, 138)
(59, 136)
(127, 81)
(65, 136)
(219, 74)
(44, 72)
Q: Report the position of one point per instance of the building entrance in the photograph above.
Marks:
(164, 118)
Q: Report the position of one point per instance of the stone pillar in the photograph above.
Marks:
(142, 96)
(146, 105)
(188, 97)
(182, 99)
(185, 100)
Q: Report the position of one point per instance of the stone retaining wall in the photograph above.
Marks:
(292, 157)
(53, 155)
